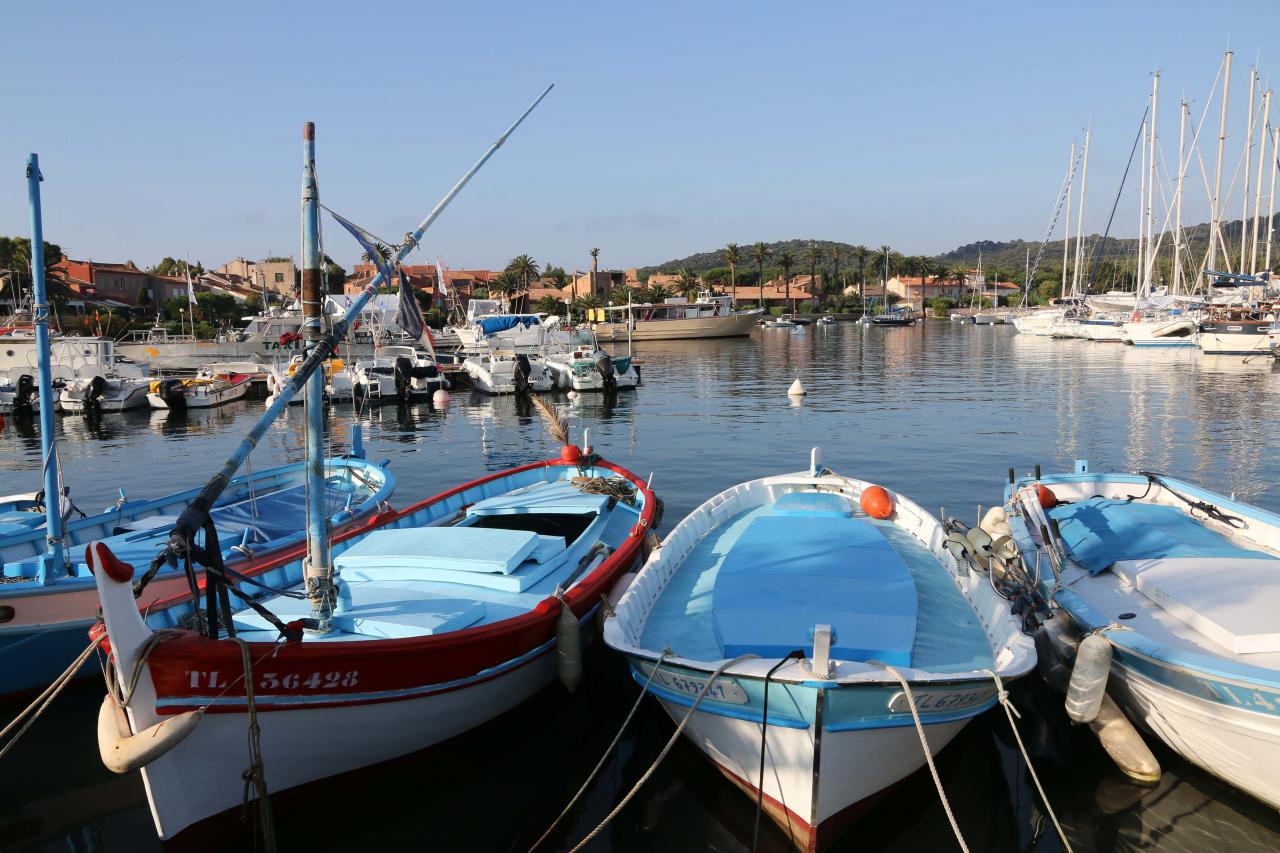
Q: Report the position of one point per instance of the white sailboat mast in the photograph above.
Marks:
(1216, 207)
(1140, 271)
(1184, 111)
(1257, 198)
(1271, 199)
(1244, 196)
(1149, 268)
(1084, 180)
(1066, 222)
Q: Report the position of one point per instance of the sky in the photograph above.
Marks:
(174, 127)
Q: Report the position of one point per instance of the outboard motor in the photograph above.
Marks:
(404, 376)
(173, 394)
(93, 395)
(522, 373)
(604, 364)
(26, 393)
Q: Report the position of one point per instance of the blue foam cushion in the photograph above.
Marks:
(787, 573)
(1100, 531)
(462, 549)
(813, 503)
(558, 497)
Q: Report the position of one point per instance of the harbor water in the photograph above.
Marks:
(938, 411)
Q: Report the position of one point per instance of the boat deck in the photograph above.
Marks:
(947, 634)
(507, 555)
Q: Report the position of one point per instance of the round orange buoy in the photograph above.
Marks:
(876, 502)
(571, 454)
(1048, 500)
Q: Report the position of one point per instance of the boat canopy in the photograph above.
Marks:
(503, 322)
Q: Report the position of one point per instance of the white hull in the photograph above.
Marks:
(307, 745)
(731, 325)
(120, 396)
(1241, 747)
(568, 379)
(1161, 333)
(1224, 343)
(985, 319)
(498, 377)
(881, 758)
(205, 399)
(1039, 323)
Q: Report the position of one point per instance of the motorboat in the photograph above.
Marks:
(397, 373)
(488, 320)
(676, 318)
(578, 363)
(1169, 330)
(95, 378)
(504, 371)
(808, 614)
(1183, 584)
(825, 320)
(781, 321)
(339, 384)
(1037, 322)
(957, 317)
(49, 607)
(207, 389)
(449, 613)
(1237, 331)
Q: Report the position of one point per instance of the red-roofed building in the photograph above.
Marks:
(119, 283)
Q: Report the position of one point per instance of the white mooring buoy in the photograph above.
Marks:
(573, 395)
(441, 397)
(796, 389)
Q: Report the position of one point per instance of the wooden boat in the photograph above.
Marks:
(447, 617)
(1184, 583)
(1237, 332)
(45, 609)
(803, 602)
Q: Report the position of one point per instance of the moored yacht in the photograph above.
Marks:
(678, 319)
(1237, 331)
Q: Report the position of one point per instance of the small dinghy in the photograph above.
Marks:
(449, 613)
(1184, 585)
(48, 606)
(783, 593)
(208, 389)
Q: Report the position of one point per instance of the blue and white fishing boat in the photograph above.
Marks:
(814, 634)
(47, 594)
(1184, 583)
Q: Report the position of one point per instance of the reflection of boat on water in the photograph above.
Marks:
(678, 319)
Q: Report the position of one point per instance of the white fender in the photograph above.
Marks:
(123, 752)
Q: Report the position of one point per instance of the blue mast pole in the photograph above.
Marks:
(54, 555)
(193, 516)
(318, 569)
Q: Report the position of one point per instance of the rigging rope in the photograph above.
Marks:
(1010, 711)
(797, 654)
(928, 756)
(255, 774)
(608, 750)
(663, 754)
(38, 705)
(1102, 241)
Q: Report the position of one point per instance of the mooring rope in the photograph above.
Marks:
(255, 774)
(1010, 711)
(928, 756)
(670, 743)
(37, 707)
(608, 751)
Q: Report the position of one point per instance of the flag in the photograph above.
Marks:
(191, 290)
(369, 243)
(408, 313)
(440, 277)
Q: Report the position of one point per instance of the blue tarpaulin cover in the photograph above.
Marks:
(492, 325)
(1100, 531)
(788, 573)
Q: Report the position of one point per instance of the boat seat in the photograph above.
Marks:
(560, 496)
(1100, 531)
(379, 610)
(788, 573)
(1231, 600)
(818, 504)
(504, 560)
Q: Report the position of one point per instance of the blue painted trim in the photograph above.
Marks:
(904, 719)
(735, 712)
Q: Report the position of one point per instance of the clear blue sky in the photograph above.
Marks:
(172, 127)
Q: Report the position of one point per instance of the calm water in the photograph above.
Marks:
(939, 413)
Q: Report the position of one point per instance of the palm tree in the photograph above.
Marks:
(837, 251)
(505, 284)
(383, 250)
(584, 303)
(731, 257)
(595, 262)
(785, 260)
(860, 254)
(622, 294)
(655, 293)
(688, 283)
(811, 254)
(549, 305)
(760, 254)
